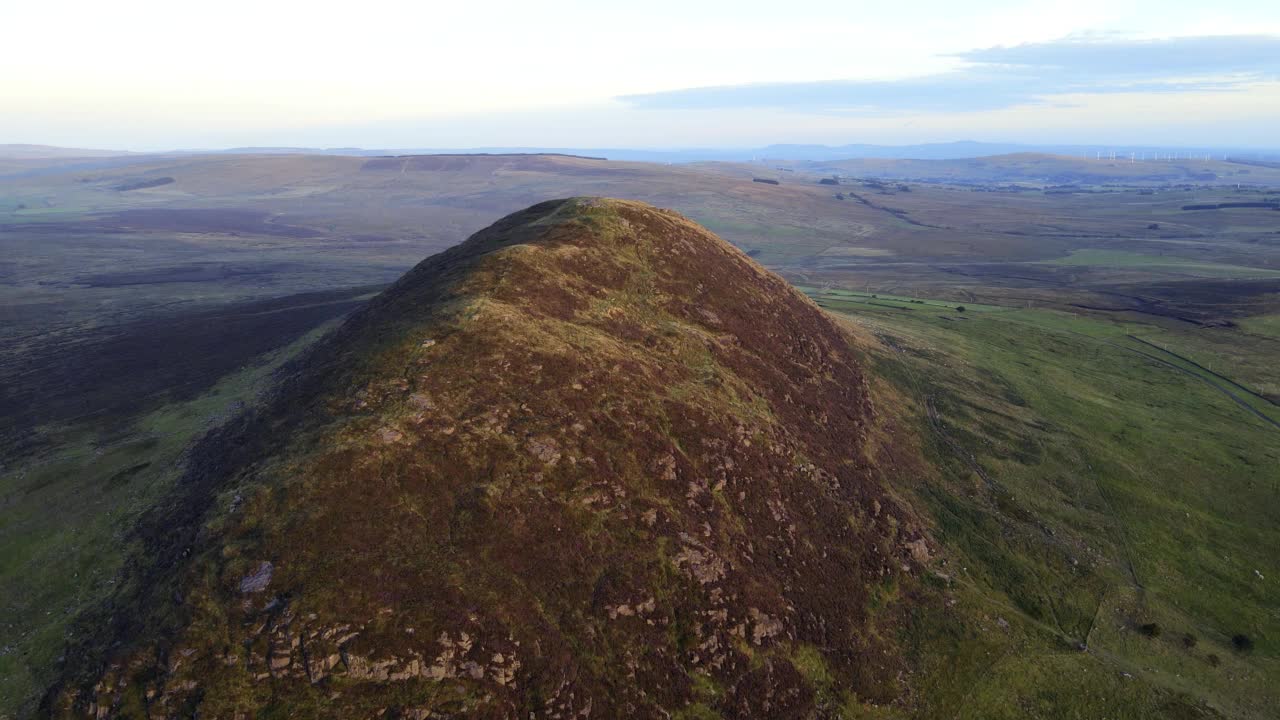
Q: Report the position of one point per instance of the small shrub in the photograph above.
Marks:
(1214, 660)
(1242, 643)
(959, 308)
(1150, 629)
(1189, 641)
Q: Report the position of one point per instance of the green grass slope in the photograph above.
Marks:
(1111, 510)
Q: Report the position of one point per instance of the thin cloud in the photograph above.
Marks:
(1002, 77)
(1209, 55)
(954, 91)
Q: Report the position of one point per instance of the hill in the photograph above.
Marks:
(36, 152)
(594, 460)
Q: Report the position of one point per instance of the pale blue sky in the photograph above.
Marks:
(145, 74)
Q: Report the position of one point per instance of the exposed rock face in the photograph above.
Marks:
(594, 462)
(257, 580)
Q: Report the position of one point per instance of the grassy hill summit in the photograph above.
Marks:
(594, 461)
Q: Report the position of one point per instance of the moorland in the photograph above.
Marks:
(1084, 347)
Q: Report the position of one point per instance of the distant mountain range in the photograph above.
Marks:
(818, 153)
(929, 151)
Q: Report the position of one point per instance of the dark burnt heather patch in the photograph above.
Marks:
(201, 220)
(192, 273)
(1211, 299)
(143, 183)
(111, 374)
(1202, 302)
(592, 460)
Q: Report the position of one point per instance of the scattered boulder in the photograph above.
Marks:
(258, 580)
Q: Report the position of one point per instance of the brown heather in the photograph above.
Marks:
(592, 462)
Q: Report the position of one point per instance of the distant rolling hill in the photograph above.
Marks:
(41, 152)
(1044, 169)
(764, 154)
(25, 160)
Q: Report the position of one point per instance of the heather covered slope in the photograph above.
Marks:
(593, 461)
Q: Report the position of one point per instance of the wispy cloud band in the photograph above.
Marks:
(1001, 77)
